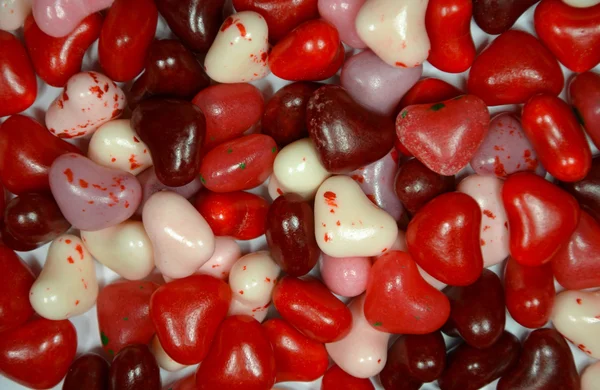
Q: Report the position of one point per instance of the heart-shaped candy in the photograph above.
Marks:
(57, 18)
(253, 277)
(13, 14)
(575, 316)
(18, 85)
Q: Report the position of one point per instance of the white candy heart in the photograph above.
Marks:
(67, 285)
(590, 379)
(124, 248)
(116, 145)
(363, 352)
(576, 315)
(348, 224)
(582, 4)
(238, 307)
(13, 13)
(239, 53)
(253, 277)
(164, 361)
(274, 188)
(298, 169)
(487, 192)
(395, 30)
(181, 238)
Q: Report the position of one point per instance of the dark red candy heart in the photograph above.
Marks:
(297, 357)
(335, 378)
(240, 358)
(477, 311)
(587, 190)
(126, 37)
(546, 362)
(18, 85)
(346, 135)
(134, 368)
(413, 360)
(443, 238)
(571, 34)
(529, 293)
(38, 354)
(557, 137)
(312, 309)
(470, 368)
(124, 315)
(55, 60)
(239, 214)
(400, 301)
(171, 71)
(429, 90)
(15, 282)
(541, 217)
(281, 16)
(584, 96)
(187, 313)
(89, 372)
(497, 16)
(530, 69)
(312, 51)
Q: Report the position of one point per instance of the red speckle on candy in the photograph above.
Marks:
(268, 280)
(106, 86)
(77, 302)
(83, 183)
(489, 214)
(244, 268)
(70, 260)
(227, 23)
(378, 361)
(94, 77)
(113, 197)
(135, 139)
(482, 242)
(372, 198)
(358, 178)
(338, 223)
(90, 202)
(330, 198)
(279, 191)
(242, 29)
(579, 301)
(99, 187)
(116, 113)
(69, 174)
(65, 96)
(133, 163)
(327, 237)
(67, 241)
(241, 292)
(506, 225)
(116, 97)
(84, 283)
(113, 159)
(383, 250)
(486, 227)
(60, 104)
(79, 249)
(332, 211)
(96, 90)
(215, 265)
(499, 167)
(263, 57)
(401, 64)
(498, 148)
(126, 204)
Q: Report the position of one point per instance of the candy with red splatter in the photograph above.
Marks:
(13, 14)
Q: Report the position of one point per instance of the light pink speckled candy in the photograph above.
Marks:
(345, 276)
(590, 378)
(89, 100)
(180, 236)
(494, 237)
(90, 196)
(342, 14)
(377, 182)
(363, 352)
(506, 149)
(374, 84)
(13, 13)
(58, 18)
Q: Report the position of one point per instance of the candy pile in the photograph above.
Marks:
(295, 240)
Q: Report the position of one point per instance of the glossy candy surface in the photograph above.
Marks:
(58, 19)
(429, 90)
(13, 13)
(495, 17)
(342, 14)
(89, 371)
(134, 368)
(252, 280)
(345, 276)
(15, 282)
(584, 97)
(18, 85)
(587, 190)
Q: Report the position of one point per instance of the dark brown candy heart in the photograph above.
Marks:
(89, 372)
(174, 131)
(135, 368)
(497, 16)
(346, 135)
(587, 190)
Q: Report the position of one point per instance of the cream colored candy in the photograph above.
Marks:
(253, 277)
(164, 361)
(13, 13)
(67, 285)
(238, 307)
(582, 4)
(124, 248)
(274, 187)
(590, 378)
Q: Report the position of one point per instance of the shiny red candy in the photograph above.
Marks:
(15, 282)
(18, 85)
(429, 90)
(584, 96)
(335, 378)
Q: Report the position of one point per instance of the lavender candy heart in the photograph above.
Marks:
(90, 196)
(377, 182)
(506, 149)
(374, 84)
(151, 185)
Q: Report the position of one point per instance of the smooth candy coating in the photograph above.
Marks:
(506, 149)
(590, 378)
(226, 254)
(57, 18)
(17, 78)
(116, 145)
(362, 353)
(67, 285)
(581, 3)
(587, 190)
(429, 90)
(336, 377)
(584, 96)
(181, 238)
(239, 307)
(240, 50)
(124, 248)
(15, 282)
(89, 371)
(134, 368)
(495, 17)
(575, 316)
(345, 276)
(342, 14)
(494, 237)
(185, 383)
(374, 84)
(347, 223)
(253, 277)
(274, 188)
(13, 13)
(88, 101)
(92, 197)
(163, 360)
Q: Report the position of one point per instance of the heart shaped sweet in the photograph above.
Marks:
(495, 17)
(575, 316)
(541, 217)
(347, 223)
(38, 354)
(92, 197)
(89, 371)
(134, 368)
(240, 50)
(570, 33)
(336, 377)
(67, 285)
(530, 69)
(18, 84)
(444, 136)
(174, 131)
(346, 135)
(345, 276)
(584, 96)
(58, 19)
(252, 280)
(13, 14)
(88, 101)
(15, 282)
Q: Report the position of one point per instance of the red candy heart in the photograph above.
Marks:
(335, 379)
(18, 85)
(39, 353)
(541, 217)
(187, 313)
(584, 96)
(513, 68)
(443, 238)
(571, 34)
(444, 136)
(400, 301)
(15, 282)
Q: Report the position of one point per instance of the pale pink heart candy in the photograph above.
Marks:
(342, 14)
(164, 361)
(13, 13)
(590, 379)
(58, 18)
(89, 100)
(345, 276)
(363, 352)
(180, 236)
(238, 307)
